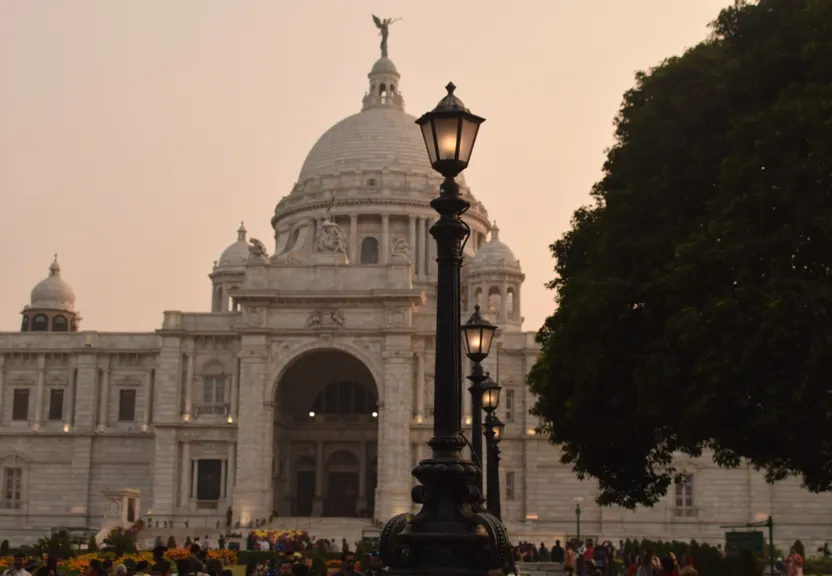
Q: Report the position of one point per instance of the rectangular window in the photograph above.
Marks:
(509, 405)
(213, 395)
(12, 487)
(684, 497)
(509, 485)
(56, 404)
(20, 404)
(127, 405)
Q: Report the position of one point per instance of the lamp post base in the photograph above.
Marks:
(452, 534)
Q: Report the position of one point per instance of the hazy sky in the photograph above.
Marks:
(136, 135)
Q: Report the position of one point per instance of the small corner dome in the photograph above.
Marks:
(235, 255)
(495, 254)
(53, 293)
(384, 66)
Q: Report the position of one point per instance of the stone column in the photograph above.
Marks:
(231, 467)
(189, 383)
(419, 251)
(185, 475)
(104, 405)
(420, 387)
(318, 501)
(223, 476)
(362, 478)
(2, 385)
(40, 391)
(353, 238)
(385, 238)
(412, 239)
(255, 432)
(517, 315)
(431, 267)
(235, 383)
(194, 477)
(69, 406)
(393, 492)
(148, 398)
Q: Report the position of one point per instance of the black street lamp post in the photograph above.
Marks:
(477, 335)
(493, 434)
(452, 534)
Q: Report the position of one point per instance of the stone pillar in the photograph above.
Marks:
(362, 478)
(104, 405)
(353, 238)
(431, 267)
(255, 432)
(235, 383)
(318, 501)
(420, 387)
(69, 406)
(419, 251)
(503, 309)
(385, 238)
(517, 315)
(393, 491)
(412, 239)
(194, 476)
(148, 399)
(189, 383)
(231, 468)
(2, 385)
(223, 477)
(185, 475)
(40, 391)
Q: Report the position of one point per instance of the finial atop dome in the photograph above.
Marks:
(384, 78)
(241, 232)
(55, 268)
(495, 231)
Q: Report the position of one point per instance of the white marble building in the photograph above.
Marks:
(306, 389)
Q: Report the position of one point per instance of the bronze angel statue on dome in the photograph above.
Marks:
(384, 29)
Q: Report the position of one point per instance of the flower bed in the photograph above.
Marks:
(79, 564)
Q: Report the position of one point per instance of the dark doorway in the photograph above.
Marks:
(343, 494)
(305, 492)
(209, 480)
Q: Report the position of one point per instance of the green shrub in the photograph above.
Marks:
(4, 548)
(59, 545)
(120, 542)
(92, 545)
(817, 566)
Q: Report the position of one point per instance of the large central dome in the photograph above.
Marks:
(374, 139)
(382, 137)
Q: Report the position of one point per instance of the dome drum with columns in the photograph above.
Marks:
(304, 392)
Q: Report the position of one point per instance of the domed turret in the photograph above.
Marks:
(229, 271)
(493, 280)
(236, 255)
(51, 305)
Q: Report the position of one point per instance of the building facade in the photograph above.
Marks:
(306, 390)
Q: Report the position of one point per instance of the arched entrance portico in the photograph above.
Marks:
(325, 437)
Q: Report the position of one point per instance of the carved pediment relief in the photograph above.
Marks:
(20, 380)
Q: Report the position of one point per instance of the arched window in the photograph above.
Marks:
(40, 323)
(510, 303)
(24, 325)
(345, 398)
(369, 250)
(59, 324)
(494, 299)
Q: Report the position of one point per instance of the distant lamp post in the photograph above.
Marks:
(477, 336)
(578, 502)
(452, 533)
(493, 434)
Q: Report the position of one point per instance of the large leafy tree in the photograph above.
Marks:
(695, 294)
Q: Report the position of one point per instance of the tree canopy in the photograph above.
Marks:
(694, 296)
